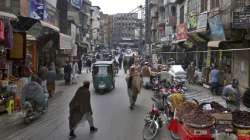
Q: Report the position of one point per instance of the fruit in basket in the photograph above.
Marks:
(241, 118)
(185, 108)
(198, 117)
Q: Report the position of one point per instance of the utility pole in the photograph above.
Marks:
(147, 26)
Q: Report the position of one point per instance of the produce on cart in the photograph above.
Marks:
(198, 118)
(241, 121)
(241, 118)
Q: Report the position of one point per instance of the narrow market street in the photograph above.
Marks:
(111, 114)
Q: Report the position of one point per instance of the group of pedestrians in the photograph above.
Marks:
(71, 70)
(221, 83)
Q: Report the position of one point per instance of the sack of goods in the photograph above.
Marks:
(246, 98)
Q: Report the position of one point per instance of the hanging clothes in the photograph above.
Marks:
(9, 35)
(2, 37)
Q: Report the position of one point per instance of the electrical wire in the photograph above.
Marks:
(226, 50)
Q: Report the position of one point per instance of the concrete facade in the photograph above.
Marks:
(107, 29)
(95, 26)
(124, 25)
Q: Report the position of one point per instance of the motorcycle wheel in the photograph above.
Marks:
(150, 130)
(174, 136)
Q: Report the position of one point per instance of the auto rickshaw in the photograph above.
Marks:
(103, 76)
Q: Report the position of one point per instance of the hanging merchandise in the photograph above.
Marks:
(9, 35)
(2, 31)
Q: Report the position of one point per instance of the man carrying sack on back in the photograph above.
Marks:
(134, 83)
(80, 109)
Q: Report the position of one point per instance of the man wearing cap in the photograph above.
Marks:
(80, 109)
(231, 94)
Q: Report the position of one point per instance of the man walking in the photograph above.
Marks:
(80, 109)
(134, 83)
(214, 80)
(67, 73)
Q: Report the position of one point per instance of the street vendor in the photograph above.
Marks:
(231, 94)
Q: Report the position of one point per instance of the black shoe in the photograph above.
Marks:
(72, 134)
(93, 129)
(131, 107)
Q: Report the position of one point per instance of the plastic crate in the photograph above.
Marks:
(243, 137)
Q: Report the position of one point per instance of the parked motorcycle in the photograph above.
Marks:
(34, 101)
(32, 110)
(154, 120)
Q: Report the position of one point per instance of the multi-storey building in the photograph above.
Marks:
(199, 29)
(95, 26)
(124, 25)
(107, 29)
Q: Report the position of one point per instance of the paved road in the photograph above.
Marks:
(111, 113)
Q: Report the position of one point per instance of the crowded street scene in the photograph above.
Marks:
(124, 70)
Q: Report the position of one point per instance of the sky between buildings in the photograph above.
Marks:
(117, 6)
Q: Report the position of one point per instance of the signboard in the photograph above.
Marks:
(202, 21)
(24, 8)
(76, 3)
(216, 27)
(181, 32)
(36, 9)
(73, 33)
(241, 20)
(65, 42)
(192, 22)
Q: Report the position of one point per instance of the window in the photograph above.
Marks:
(215, 4)
(182, 14)
(173, 10)
(241, 3)
(203, 5)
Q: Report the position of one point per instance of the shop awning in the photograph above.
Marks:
(9, 15)
(48, 25)
(25, 23)
(214, 44)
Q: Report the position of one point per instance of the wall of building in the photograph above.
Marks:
(124, 25)
(241, 68)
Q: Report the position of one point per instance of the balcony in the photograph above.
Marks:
(167, 2)
(179, 1)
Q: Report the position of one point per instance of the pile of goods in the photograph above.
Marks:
(199, 118)
(185, 108)
(217, 108)
(246, 98)
(241, 118)
(176, 100)
(191, 114)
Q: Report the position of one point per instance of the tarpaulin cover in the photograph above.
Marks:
(1, 30)
(35, 92)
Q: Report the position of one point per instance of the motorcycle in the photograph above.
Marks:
(34, 107)
(32, 111)
(154, 120)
